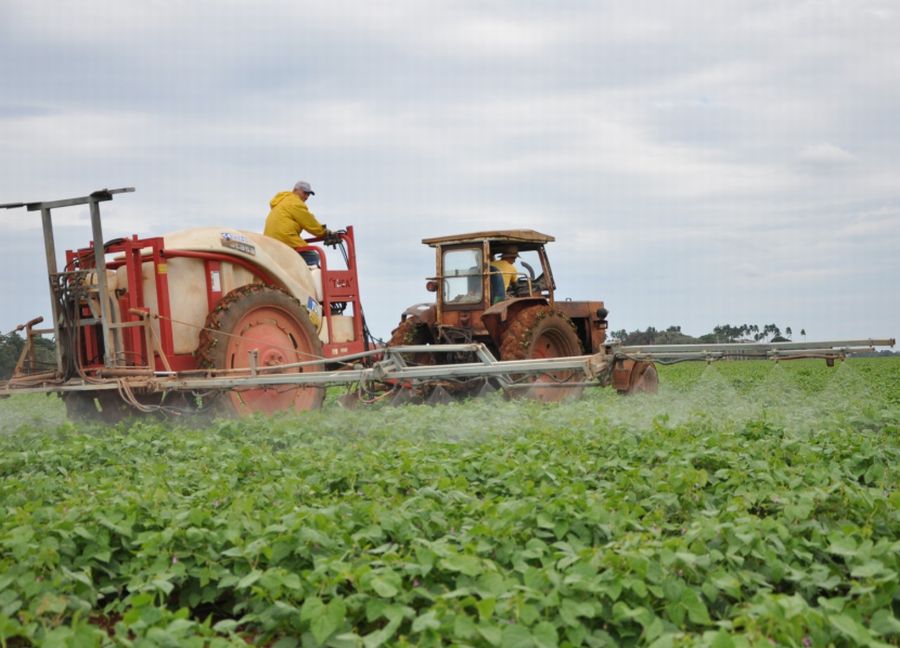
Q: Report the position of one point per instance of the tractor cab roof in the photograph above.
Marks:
(523, 238)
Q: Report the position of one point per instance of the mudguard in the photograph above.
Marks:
(424, 313)
(494, 318)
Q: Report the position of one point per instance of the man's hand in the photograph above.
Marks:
(331, 238)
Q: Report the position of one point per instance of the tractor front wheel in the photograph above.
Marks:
(411, 332)
(543, 332)
(277, 327)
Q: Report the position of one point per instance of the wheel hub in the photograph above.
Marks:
(274, 335)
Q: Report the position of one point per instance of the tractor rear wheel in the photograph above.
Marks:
(543, 332)
(276, 326)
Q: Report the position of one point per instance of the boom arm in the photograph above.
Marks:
(393, 368)
(670, 353)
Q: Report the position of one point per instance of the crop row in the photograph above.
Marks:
(742, 505)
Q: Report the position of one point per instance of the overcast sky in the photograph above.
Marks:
(698, 162)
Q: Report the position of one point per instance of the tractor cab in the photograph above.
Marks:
(483, 272)
(481, 280)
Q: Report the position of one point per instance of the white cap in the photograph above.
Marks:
(303, 185)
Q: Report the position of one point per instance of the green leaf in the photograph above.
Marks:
(163, 585)
(329, 621)
(664, 641)
(384, 588)
(491, 584)
(529, 614)
(544, 635)
(468, 565)
(516, 636)
(696, 608)
(426, 621)
(292, 581)
(868, 569)
(398, 612)
(884, 623)
(249, 579)
(485, 608)
(842, 546)
(721, 640)
(851, 628)
(570, 610)
(286, 642)
(544, 521)
(491, 633)
(834, 604)
(379, 637)
(225, 626)
(312, 607)
(9, 627)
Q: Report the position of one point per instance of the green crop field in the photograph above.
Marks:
(746, 504)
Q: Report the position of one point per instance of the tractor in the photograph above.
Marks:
(516, 318)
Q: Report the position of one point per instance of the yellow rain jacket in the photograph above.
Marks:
(507, 269)
(289, 217)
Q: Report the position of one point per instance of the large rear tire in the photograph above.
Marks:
(277, 326)
(543, 332)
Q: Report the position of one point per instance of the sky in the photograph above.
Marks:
(699, 163)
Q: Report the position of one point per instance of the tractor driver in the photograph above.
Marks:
(290, 216)
(503, 272)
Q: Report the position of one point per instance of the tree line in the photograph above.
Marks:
(11, 346)
(720, 333)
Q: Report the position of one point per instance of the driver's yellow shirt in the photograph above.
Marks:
(507, 269)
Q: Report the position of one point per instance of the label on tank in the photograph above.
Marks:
(238, 242)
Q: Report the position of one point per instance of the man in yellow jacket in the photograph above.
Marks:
(503, 272)
(290, 216)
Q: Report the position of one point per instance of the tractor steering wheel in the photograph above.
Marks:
(530, 270)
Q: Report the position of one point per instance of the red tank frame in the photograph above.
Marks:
(339, 286)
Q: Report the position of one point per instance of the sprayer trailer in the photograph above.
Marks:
(191, 303)
(233, 322)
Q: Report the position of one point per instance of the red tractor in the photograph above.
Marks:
(517, 317)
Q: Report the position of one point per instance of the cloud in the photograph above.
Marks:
(675, 150)
(825, 156)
